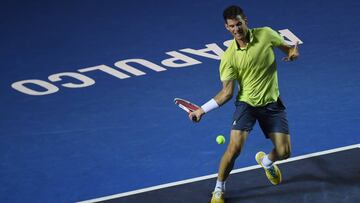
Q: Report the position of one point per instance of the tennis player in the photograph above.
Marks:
(250, 62)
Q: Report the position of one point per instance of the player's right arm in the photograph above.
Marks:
(225, 94)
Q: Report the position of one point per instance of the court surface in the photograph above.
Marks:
(87, 110)
(319, 177)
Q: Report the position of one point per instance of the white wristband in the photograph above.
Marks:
(210, 105)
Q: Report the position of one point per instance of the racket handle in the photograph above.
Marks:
(194, 118)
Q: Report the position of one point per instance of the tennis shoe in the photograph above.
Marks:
(273, 173)
(217, 197)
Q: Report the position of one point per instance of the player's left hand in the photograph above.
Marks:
(293, 53)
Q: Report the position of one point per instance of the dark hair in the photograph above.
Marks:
(232, 11)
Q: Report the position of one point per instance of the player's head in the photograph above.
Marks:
(232, 12)
(235, 21)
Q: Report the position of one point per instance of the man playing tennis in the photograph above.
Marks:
(250, 61)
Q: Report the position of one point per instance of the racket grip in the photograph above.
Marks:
(194, 118)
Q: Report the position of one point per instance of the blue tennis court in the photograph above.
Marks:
(87, 91)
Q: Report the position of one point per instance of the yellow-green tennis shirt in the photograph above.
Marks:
(254, 67)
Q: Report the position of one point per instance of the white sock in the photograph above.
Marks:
(220, 186)
(267, 162)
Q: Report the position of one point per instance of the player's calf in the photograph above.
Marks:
(282, 152)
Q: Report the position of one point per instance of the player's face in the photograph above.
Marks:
(237, 27)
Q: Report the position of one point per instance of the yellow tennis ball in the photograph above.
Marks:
(220, 139)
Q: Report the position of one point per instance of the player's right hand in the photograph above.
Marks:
(195, 116)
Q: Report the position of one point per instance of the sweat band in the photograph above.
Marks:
(210, 105)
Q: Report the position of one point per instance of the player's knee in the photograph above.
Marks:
(234, 151)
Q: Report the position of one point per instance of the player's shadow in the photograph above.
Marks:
(315, 175)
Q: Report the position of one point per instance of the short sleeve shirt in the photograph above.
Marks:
(254, 67)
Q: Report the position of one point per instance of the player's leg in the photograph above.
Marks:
(237, 140)
(273, 121)
(282, 150)
(282, 146)
(242, 124)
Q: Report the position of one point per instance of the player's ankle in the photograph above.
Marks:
(217, 189)
(220, 186)
(266, 162)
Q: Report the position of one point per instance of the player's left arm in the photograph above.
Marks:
(292, 52)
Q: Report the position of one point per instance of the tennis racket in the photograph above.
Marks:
(186, 106)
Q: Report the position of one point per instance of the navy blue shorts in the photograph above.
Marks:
(272, 117)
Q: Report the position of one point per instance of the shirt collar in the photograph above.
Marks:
(251, 36)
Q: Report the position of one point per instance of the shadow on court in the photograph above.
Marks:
(328, 178)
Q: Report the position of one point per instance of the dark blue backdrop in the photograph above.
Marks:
(120, 135)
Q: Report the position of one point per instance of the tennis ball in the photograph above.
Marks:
(220, 139)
